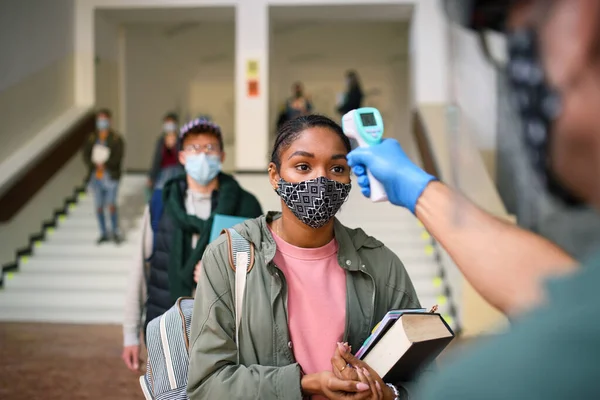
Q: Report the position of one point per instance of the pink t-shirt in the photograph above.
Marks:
(316, 302)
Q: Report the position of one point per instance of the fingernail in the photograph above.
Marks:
(378, 385)
(366, 371)
(362, 387)
(341, 347)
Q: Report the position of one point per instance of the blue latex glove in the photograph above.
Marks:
(402, 179)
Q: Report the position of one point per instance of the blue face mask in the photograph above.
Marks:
(202, 168)
(169, 127)
(102, 124)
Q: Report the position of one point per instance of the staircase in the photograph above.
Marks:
(70, 279)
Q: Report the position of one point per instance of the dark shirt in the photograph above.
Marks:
(169, 157)
(550, 354)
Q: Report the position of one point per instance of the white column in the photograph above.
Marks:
(251, 111)
(429, 53)
(84, 53)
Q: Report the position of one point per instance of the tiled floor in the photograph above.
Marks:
(47, 361)
(51, 362)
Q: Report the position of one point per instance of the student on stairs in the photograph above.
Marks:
(173, 241)
(103, 155)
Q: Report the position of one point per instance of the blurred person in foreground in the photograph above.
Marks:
(103, 155)
(173, 241)
(551, 351)
(165, 163)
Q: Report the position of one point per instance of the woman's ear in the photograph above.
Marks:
(273, 176)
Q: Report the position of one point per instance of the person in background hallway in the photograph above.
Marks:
(172, 242)
(314, 282)
(296, 106)
(353, 97)
(165, 164)
(103, 155)
(552, 348)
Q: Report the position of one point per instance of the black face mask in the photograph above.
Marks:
(538, 105)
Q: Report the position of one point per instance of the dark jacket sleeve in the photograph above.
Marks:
(87, 151)
(249, 206)
(353, 101)
(157, 160)
(117, 149)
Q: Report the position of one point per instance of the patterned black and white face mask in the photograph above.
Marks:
(539, 106)
(316, 201)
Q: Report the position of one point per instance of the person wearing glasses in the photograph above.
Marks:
(176, 230)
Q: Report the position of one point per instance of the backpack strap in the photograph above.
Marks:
(241, 260)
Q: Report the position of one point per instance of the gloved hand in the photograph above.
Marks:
(402, 179)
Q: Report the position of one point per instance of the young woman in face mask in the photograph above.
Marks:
(165, 163)
(315, 283)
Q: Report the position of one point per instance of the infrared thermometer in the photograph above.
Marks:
(365, 125)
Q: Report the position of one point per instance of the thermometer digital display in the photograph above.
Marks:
(365, 125)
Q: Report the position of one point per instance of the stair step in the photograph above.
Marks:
(68, 281)
(429, 301)
(422, 271)
(88, 223)
(389, 228)
(75, 265)
(57, 299)
(89, 211)
(83, 234)
(426, 289)
(66, 250)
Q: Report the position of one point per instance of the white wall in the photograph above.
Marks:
(474, 86)
(106, 44)
(190, 71)
(473, 89)
(319, 53)
(37, 67)
(15, 233)
(429, 53)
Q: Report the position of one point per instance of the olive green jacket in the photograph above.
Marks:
(376, 283)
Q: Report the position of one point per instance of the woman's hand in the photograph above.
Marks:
(346, 366)
(340, 367)
(197, 271)
(327, 384)
(378, 389)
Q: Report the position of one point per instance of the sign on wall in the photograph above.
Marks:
(252, 81)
